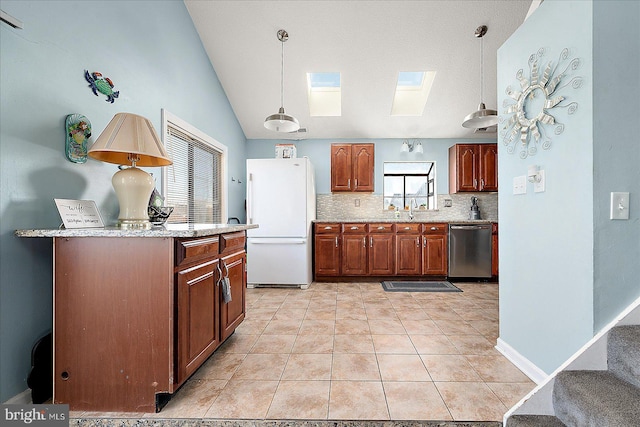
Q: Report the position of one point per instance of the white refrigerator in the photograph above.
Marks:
(281, 199)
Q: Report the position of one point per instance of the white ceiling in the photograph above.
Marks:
(368, 42)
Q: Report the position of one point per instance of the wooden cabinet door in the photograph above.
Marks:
(363, 167)
(233, 312)
(488, 167)
(198, 316)
(327, 254)
(434, 255)
(341, 167)
(408, 254)
(467, 167)
(381, 254)
(354, 254)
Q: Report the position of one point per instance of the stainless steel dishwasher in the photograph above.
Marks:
(470, 250)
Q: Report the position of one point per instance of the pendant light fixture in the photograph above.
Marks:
(282, 122)
(483, 117)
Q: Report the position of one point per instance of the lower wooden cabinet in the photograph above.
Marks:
(134, 317)
(327, 250)
(380, 250)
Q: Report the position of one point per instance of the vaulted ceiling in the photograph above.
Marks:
(368, 42)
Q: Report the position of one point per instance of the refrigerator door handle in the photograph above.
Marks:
(249, 204)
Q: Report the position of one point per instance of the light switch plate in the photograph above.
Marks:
(619, 205)
(520, 184)
(538, 187)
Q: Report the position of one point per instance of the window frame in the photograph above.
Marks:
(430, 181)
(171, 120)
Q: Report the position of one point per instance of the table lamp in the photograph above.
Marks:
(130, 139)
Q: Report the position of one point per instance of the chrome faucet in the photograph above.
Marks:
(412, 204)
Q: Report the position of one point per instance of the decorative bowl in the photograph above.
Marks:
(158, 214)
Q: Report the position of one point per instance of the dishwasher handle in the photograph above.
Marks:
(469, 227)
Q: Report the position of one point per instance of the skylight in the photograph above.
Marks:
(324, 94)
(412, 91)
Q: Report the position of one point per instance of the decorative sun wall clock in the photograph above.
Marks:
(532, 107)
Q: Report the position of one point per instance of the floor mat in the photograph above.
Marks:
(440, 286)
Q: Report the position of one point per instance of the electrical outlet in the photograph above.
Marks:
(448, 203)
(520, 184)
(619, 205)
(357, 203)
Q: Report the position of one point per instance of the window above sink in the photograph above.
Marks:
(406, 183)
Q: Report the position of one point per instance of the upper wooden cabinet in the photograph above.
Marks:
(473, 168)
(352, 167)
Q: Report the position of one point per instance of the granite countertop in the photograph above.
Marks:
(403, 220)
(167, 230)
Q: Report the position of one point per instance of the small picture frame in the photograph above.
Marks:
(285, 151)
(79, 213)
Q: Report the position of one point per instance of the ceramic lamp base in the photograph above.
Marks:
(133, 188)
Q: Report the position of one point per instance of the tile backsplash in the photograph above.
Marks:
(343, 207)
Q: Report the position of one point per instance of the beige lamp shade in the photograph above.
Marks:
(126, 137)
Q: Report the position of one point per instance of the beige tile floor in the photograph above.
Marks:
(350, 351)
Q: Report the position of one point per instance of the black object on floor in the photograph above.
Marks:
(40, 379)
(441, 286)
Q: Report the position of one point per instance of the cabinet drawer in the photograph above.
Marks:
(232, 242)
(192, 250)
(350, 228)
(436, 228)
(381, 228)
(326, 228)
(403, 228)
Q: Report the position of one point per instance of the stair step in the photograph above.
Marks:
(623, 353)
(595, 398)
(533, 421)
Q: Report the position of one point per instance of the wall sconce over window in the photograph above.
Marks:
(409, 146)
(533, 173)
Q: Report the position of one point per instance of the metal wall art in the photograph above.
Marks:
(104, 85)
(531, 113)
(78, 130)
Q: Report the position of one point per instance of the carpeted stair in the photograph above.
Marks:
(597, 398)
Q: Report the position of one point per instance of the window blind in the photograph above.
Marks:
(193, 182)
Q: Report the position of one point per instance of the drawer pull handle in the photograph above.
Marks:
(381, 227)
(418, 242)
(328, 227)
(407, 228)
(434, 228)
(355, 227)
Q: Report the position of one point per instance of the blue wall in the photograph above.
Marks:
(153, 54)
(616, 101)
(565, 268)
(319, 152)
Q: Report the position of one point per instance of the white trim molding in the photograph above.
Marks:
(536, 374)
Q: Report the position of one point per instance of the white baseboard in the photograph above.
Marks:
(23, 398)
(536, 374)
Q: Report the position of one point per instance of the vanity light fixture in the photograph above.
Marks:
(409, 146)
(130, 139)
(282, 122)
(483, 118)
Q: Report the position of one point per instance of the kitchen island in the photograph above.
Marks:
(136, 312)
